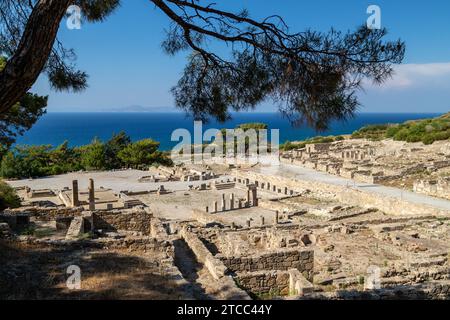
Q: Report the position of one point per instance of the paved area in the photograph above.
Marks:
(128, 180)
(114, 180)
(301, 173)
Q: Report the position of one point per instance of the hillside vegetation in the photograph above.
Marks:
(288, 145)
(426, 130)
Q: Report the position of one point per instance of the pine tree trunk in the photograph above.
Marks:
(25, 66)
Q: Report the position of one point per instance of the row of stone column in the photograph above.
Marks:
(223, 206)
(251, 200)
(267, 186)
(262, 221)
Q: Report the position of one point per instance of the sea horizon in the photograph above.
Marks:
(80, 128)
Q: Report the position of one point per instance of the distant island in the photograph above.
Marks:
(139, 108)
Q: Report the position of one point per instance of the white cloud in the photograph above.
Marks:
(416, 75)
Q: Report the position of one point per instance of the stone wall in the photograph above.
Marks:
(15, 221)
(265, 282)
(215, 267)
(131, 244)
(125, 220)
(363, 176)
(141, 244)
(347, 195)
(302, 260)
(430, 290)
(437, 188)
(45, 214)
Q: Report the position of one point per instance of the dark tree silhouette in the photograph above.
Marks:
(20, 118)
(313, 76)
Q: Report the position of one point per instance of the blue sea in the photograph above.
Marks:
(81, 128)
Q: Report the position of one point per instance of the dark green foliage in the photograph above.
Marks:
(20, 117)
(253, 125)
(372, 132)
(426, 131)
(312, 76)
(288, 145)
(64, 159)
(118, 152)
(60, 67)
(93, 156)
(8, 197)
(142, 153)
(97, 10)
(112, 148)
(256, 126)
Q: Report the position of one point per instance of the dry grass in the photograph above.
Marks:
(36, 272)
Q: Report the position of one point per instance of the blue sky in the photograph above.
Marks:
(127, 67)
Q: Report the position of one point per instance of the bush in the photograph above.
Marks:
(428, 139)
(373, 132)
(401, 135)
(427, 131)
(288, 145)
(392, 131)
(8, 197)
(142, 153)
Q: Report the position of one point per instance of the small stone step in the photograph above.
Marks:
(76, 228)
(425, 263)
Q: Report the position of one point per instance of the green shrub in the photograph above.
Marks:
(428, 139)
(392, 131)
(401, 135)
(8, 196)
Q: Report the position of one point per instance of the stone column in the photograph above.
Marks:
(91, 195)
(223, 207)
(75, 199)
(254, 196)
(277, 217)
(248, 195)
(232, 201)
